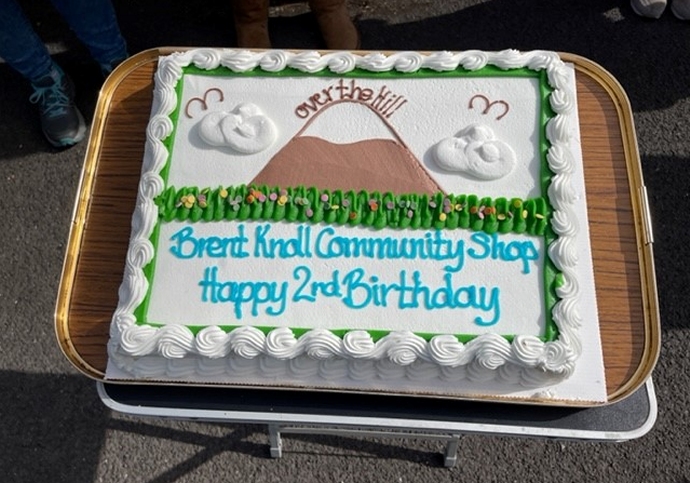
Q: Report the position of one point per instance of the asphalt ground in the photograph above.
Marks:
(53, 427)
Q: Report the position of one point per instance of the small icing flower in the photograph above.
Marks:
(410, 213)
(324, 197)
(282, 200)
(257, 195)
(373, 205)
(524, 214)
(235, 204)
(353, 215)
(223, 193)
(390, 205)
(432, 204)
(309, 213)
(187, 201)
(273, 196)
(250, 198)
(442, 217)
(202, 201)
(345, 203)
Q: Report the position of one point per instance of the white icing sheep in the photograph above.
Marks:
(246, 129)
(475, 151)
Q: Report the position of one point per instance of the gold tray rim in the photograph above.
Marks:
(644, 238)
(641, 217)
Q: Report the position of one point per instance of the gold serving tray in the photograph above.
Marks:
(620, 227)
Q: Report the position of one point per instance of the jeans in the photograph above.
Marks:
(93, 21)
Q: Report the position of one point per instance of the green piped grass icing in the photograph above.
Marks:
(370, 209)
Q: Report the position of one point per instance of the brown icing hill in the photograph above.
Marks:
(381, 165)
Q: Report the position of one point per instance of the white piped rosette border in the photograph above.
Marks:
(174, 352)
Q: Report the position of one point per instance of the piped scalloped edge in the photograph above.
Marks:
(565, 350)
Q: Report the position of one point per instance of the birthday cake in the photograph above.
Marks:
(406, 222)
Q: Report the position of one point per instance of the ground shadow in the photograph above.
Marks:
(668, 188)
(51, 425)
(54, 427)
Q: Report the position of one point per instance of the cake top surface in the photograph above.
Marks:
(311, 175)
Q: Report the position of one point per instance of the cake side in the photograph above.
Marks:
(152, 351)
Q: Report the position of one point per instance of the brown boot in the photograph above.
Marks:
(335, 24)
(251, 23)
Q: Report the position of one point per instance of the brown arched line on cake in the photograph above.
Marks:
(384, 165)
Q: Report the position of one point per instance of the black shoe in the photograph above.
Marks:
(62, 123)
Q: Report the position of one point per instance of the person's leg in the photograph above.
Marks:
(23, 50)
(335, 24)
(95, 24)
(251, 23)
(61, 122)
(20, 46)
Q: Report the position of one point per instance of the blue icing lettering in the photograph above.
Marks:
(434, 246)
(186, 245)
(298, 246)
(309, 289)
(269, 296)
(362, 291)
(490, 305)
(491, 246)
(358, 293)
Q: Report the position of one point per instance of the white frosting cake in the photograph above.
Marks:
(402, 223)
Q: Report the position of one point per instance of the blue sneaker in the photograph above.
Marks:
(61, 122)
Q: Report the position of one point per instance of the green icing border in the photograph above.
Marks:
(299, 331)
(311, 205)
(538, 226)
(488, 71)
(551, 273)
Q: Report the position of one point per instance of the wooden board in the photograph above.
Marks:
(620, 230)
